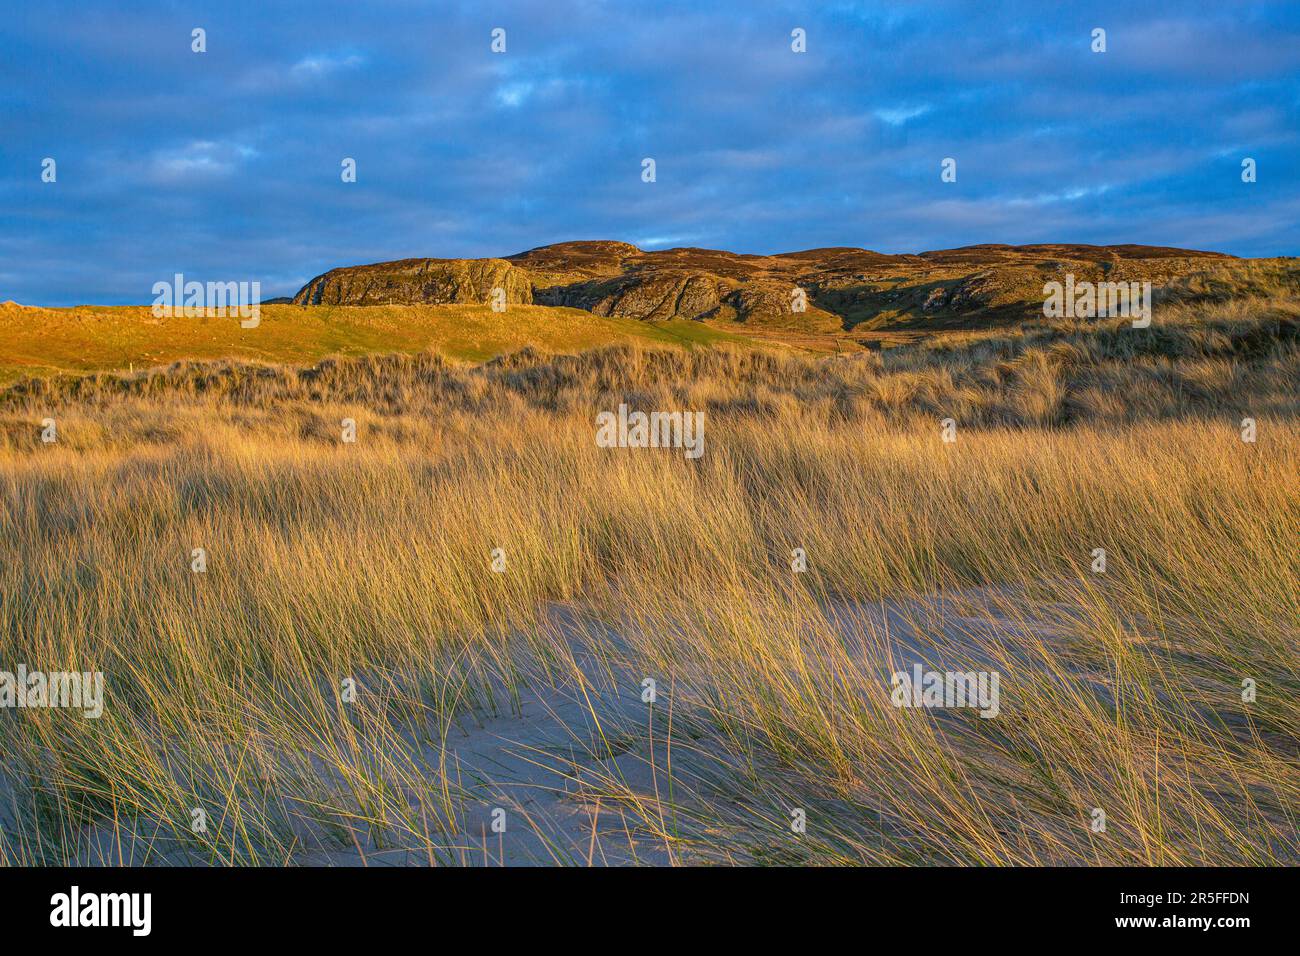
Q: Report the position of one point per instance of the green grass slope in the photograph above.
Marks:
(37, 341)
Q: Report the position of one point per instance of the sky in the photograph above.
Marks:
(226, 165)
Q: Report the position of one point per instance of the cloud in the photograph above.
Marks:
(320, 64)
(513, 95)
(198, 160)
(663, 242)
(464, 152)
(899, 115)
(1066, 195)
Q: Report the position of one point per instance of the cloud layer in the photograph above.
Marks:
(225, 165)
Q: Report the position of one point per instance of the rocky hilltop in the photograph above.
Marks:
(841, 287)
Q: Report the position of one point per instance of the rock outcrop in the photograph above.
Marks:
(411, 281)
(816, 289)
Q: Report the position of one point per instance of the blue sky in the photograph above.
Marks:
(225, 165)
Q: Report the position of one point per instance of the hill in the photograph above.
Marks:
(576, 296)
(39, 341)
(845, 288)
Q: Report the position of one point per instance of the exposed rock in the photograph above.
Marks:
(844, 286)
(418, 281)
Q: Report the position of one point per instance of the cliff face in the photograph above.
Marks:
(412, 281)
(837, 288)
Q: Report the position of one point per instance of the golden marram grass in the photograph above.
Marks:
(346, 676)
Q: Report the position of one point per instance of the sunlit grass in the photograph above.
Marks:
(1121, 691)
(99, 338)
